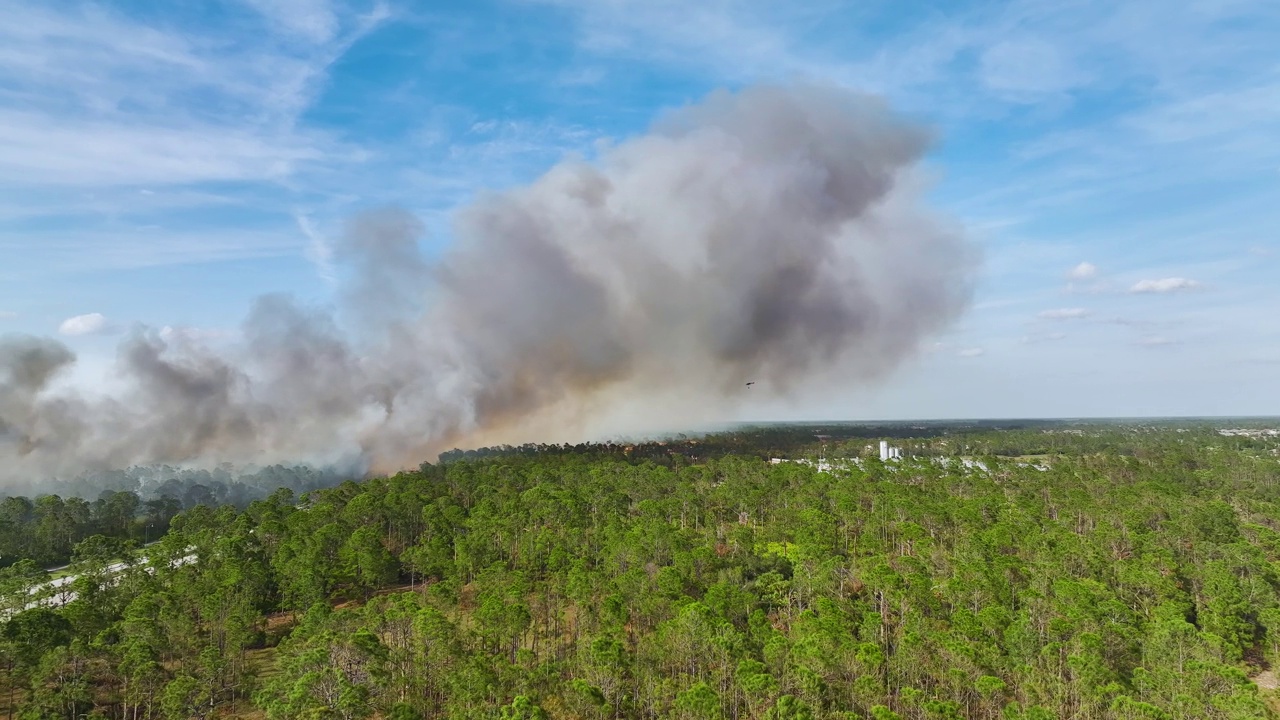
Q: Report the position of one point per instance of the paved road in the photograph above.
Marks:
(58, 592)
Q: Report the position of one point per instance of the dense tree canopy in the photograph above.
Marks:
(1093, 573)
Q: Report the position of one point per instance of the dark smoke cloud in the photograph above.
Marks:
(774, 235)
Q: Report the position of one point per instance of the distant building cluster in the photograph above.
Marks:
(1253, 433)
(888, 452)
(822, 465)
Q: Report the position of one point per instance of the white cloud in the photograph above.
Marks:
(1156, 341)
(971, 352)
(1164, 285)
(1083, 271)
(7, 315)
(89, 324)
(1063, 314)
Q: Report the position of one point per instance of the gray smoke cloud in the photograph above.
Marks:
(775, 235)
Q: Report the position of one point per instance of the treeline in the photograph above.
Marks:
(46, 529)
(1137, 441)
(989, 438)
(223, 485)
(135, 504)
(763, 442)
(568, 586)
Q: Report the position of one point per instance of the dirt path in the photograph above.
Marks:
(1266, 680)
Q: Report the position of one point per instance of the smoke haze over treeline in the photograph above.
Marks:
(190, 486)
(775, 235)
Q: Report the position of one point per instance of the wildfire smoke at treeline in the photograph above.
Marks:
(773, 235)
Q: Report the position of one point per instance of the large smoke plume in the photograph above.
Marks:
(775, 235)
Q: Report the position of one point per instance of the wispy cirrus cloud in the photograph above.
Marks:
(131, 140)
(312, 20)
(1164, 286)
(1042, 338)
(319, 250)
(112, 127)
(98, 152)
(91, 96)
(1063, 314)
(1029, 68)
(140, 247)
(734, 40)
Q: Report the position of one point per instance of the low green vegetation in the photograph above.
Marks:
(1109, 573)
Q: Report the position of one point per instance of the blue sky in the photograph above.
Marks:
(1118, 164)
